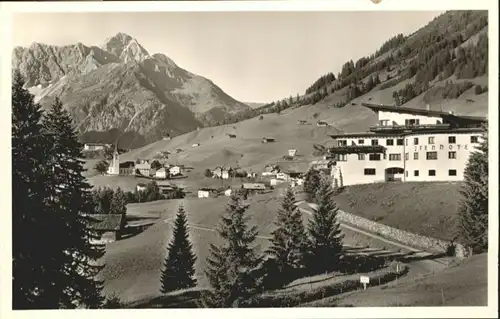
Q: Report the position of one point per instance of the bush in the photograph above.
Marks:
(101, 167)
(480, 89)
(113, 302)
(208, 173)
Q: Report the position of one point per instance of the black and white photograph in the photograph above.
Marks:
(181, 159)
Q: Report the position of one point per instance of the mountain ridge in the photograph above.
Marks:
(121, 86)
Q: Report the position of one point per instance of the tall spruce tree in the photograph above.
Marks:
(74, 257)
(289, 239)
(30, 264)
(325, 246)
(473, 210)
(232, 264)
(312, 183)
(118, 203)
(178, 270)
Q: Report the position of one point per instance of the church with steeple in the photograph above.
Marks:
(114, 167)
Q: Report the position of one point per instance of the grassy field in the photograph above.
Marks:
(133, 265)
(425, 208)
(463, 285)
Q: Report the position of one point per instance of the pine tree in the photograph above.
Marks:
(473, 210)
(289, 240)
(178, 270)
(232, 265)
(324, 232)
(118, 203)
(73, 255)
(29, 172)
(311, 184)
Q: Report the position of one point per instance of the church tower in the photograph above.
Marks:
(114, 168)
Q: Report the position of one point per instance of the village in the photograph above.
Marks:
(165, 174)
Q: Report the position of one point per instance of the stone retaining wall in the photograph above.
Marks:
(404, 237)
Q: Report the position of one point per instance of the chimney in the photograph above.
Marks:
(428, 107)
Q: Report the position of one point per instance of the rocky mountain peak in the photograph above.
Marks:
(103, 92)
(126, 48)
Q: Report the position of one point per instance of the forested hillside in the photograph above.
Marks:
(452, 48)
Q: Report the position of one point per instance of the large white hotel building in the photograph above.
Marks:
(406, 145)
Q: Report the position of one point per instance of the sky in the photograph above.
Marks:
(252, 56)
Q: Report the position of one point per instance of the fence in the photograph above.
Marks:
(402, 236)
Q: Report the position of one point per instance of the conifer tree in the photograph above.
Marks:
(473, 210)
(29, 172)
(311, 184)
(325, 236)
(289, 240)
(232, 265)
(74, 256)
(178, 269)
(118, 203)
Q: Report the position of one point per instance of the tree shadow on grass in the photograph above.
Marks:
(134, 230)
(185, 299)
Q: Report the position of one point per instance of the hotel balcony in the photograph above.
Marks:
(411, 127)
(356, 149)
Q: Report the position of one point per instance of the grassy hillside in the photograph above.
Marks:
(423, 208)
(465, 284)
(133, 264)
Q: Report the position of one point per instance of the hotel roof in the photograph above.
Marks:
(408, 110)
(401, 134)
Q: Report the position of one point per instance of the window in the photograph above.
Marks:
(412, 122)
(452, 139)
(415, 156)
(432, 155)
(406, 142)
(361, 141)
(374, 157)
(369, 171)
(415, 173)
(342, 142)
(390, 142)
(452, 172)
(407, 156)
(406, 173)
(394, 157)
(474, 139)
(400, 141)
(452, 155)
(432, 172)
(361, 157)
(415, 141)
(342, 157)
(374, 142)
(431, 139)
